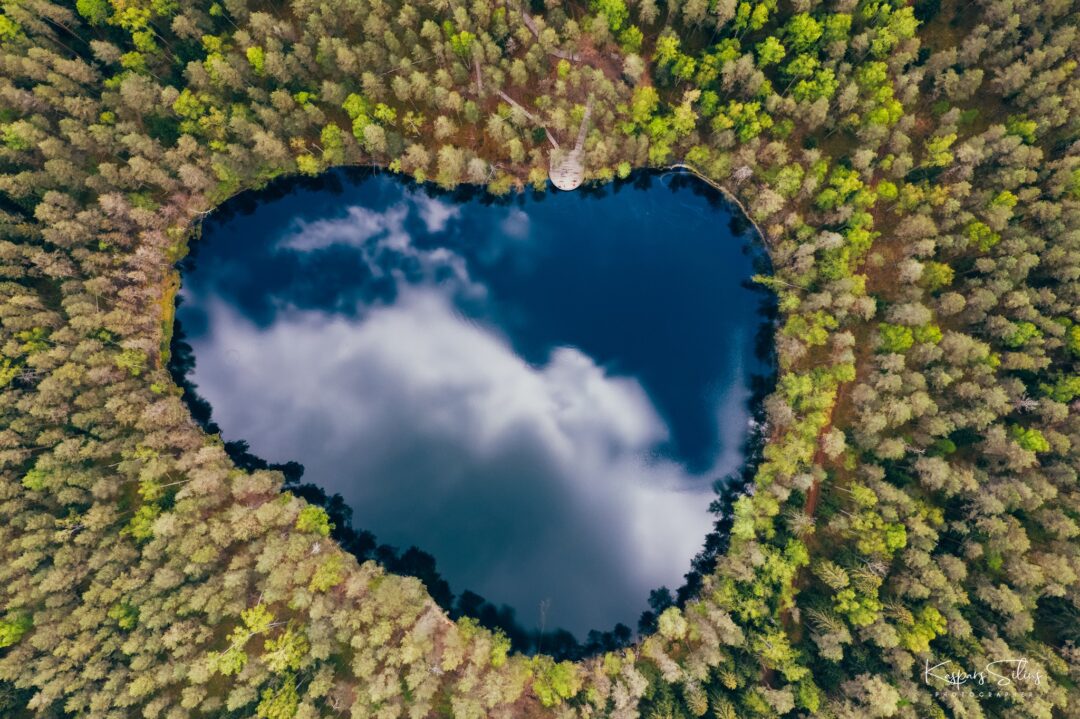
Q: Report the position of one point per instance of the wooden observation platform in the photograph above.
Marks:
(567, 171)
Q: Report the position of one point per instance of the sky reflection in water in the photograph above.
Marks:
(539, 392)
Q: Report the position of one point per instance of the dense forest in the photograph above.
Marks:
(914, 172)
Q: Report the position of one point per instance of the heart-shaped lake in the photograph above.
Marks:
(540, 391)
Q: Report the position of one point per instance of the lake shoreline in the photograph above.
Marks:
(418, 563)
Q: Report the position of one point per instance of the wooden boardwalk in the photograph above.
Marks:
(568, 172)
(515, 104)
(530, 22)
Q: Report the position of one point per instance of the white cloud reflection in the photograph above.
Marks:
(386, 245)
(515, 224)
(448, 440)
(435, 213)
(355, 229)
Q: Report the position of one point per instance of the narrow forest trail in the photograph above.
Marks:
(940, 32)
(890, 250)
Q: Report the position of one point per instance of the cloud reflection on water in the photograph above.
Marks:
(533, 477)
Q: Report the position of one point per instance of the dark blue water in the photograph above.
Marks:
(539, 392)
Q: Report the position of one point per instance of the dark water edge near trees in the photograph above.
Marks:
(414, 561)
